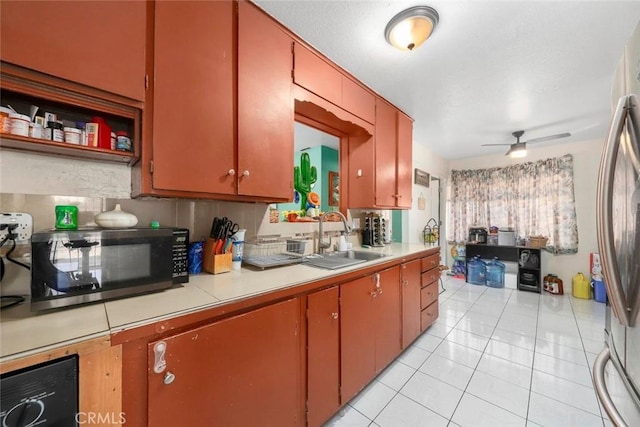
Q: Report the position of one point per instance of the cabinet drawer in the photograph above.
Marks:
(430, 262)
(428, 316)
(430, 276)
(428, 294)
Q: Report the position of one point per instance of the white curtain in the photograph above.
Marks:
(534, 198)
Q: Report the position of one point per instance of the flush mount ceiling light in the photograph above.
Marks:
(517, 150)
(411, 27)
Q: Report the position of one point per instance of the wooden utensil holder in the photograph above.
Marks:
(212, 263)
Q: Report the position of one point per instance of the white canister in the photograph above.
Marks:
(506, 237)
(19, 124)
(36, 130)
(72, 135)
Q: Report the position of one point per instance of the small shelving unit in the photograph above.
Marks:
(22, 89)
(529, 262)
(529, 269)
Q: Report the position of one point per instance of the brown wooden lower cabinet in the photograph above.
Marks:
(429, 294)
(411, 306)
(428, 316)
(323, 356)
(430, 290)
(276, 366)
(241, 371)
(370, 328)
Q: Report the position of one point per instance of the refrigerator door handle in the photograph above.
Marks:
(633, 129)
(601, 388)
(604, 214)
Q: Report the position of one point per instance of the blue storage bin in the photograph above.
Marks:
(477, 271)
(495, 274)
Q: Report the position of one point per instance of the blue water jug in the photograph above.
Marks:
(495, 274)
(599, 289)
(477, 270)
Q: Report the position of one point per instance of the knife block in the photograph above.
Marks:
(212, 263)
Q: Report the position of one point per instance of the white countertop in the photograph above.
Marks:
(23, 332)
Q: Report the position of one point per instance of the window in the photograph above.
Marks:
(534, 198)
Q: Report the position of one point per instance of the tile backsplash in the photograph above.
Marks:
(196, 215)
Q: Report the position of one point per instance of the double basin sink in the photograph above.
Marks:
(336, 260)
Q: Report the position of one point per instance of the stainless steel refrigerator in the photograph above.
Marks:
(617, 368)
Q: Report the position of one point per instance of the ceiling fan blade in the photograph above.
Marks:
(548, 138)
(493, 145)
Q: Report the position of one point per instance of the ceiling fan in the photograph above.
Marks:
(519, 149)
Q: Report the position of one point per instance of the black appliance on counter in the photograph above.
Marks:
(41, 395)
(71, 267)
(478, 235)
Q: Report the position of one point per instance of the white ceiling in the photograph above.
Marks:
(490, 67)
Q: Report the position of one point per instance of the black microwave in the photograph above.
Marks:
(70, 267)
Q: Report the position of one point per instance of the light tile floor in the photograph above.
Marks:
(495, 357)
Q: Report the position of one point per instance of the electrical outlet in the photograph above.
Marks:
(25, 225)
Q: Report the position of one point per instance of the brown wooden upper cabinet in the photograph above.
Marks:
(192, 145)
(194, 149)
(315, 74)
(393, 154)
(265, 106)
(98, 44)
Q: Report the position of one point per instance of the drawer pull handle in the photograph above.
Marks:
(334, 315)
(159, 364)
(373, 294)
(231, 172)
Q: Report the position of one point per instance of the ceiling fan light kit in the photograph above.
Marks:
(411, 27)
(519, 149)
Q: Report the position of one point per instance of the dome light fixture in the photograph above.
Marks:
(411, 27)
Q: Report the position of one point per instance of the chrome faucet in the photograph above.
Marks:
(322, 245)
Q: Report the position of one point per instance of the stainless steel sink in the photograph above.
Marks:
(335, 260)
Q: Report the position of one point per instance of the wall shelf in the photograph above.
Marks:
(44, 146)
(23, 89)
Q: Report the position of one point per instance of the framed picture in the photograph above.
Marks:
(334, 189)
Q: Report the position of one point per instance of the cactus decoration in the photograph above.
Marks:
(304, 176)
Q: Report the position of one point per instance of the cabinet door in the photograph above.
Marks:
(357, 335)
(387, 318)
(404, 160)
(242, 371)
(99, 44)
(410, 283)
(361, 172)
(385, 154)
(193, 129)
(265, 106)
(323, 356)
(317, 75)
(357, 100)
